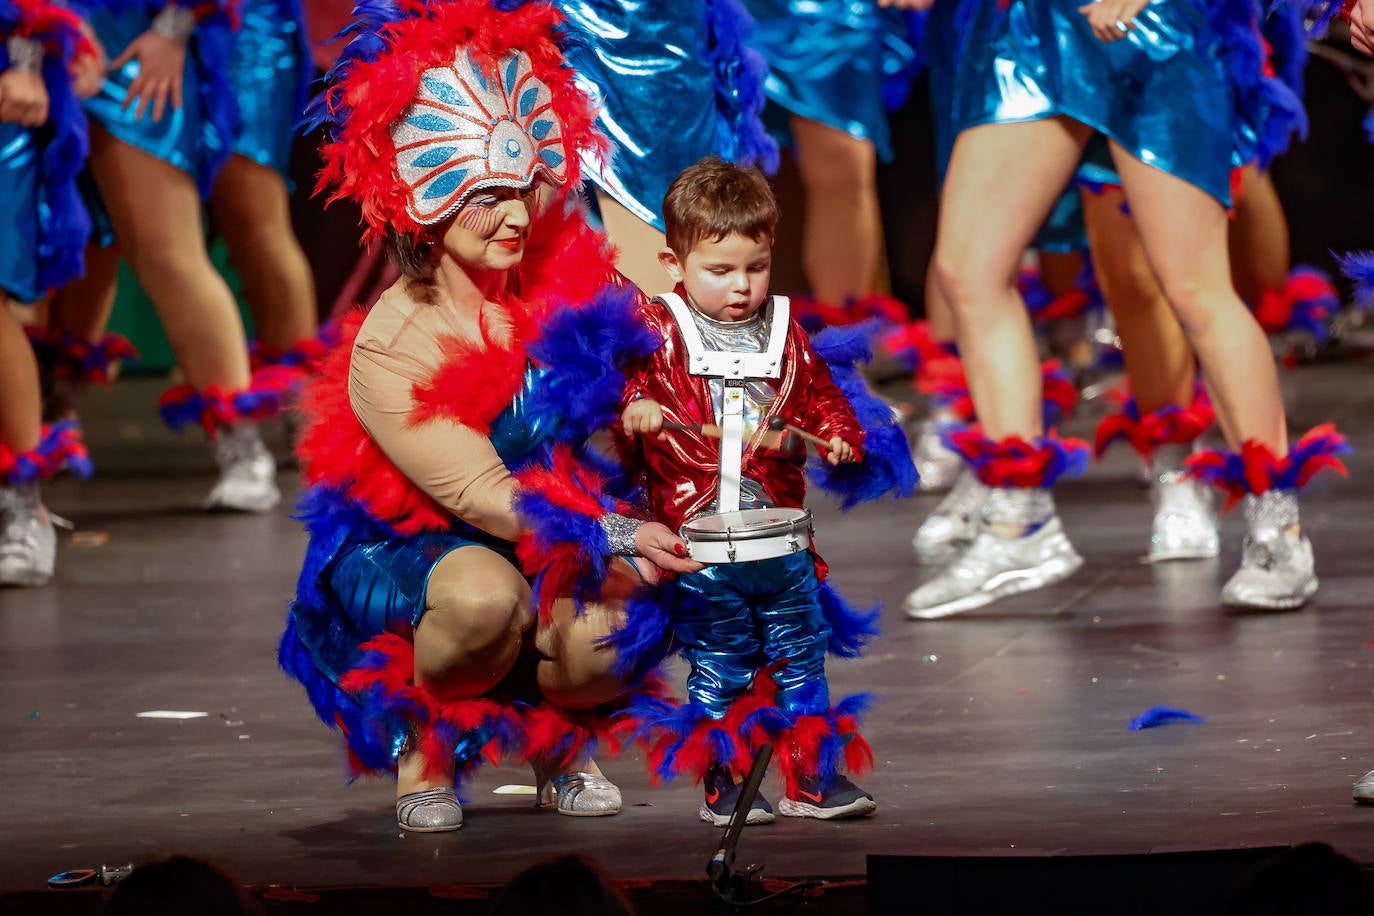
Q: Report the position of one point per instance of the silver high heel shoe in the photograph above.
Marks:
(577, 794)
(429, 811)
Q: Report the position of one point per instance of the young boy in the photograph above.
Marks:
(755, 633)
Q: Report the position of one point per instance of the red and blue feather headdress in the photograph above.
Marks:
(431, 101)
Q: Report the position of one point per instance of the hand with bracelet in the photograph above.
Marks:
(161, 56)
(23, 97)
(1112, 20)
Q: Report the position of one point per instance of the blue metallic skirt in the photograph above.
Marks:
(829, 62)
(19, 228)
(271, 71)
(195, 138)
(1162, 93)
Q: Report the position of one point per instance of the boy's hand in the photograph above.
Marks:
(840, 450)
(643, 416)
(655, 543)
(23, 98)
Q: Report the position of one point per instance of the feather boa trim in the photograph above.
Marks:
(213, 408)
(1255, 469)
(383, 685)
(1358, 267)
(58, 28)
(686, 741)
(886, 467)
(60, 448)
(815, 314)
(378, 75)
(305, 355)
(1304, 305)
(565, 549)
(1043, 305)
(1171, 425)
(66, 356)
(1266, 111)
(912, 345)
(1014, 462)
(947, 385)
(739, 73)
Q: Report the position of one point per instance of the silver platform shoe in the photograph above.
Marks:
(1185, 520)
(578, 794)
(247, 471)
(995, 566)
(1276, 568)
(937, 466)
(953, 524)
(429, 811)
(28, 542)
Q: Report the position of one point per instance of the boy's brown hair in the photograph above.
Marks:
(711, 199)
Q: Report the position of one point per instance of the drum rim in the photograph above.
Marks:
(801, 524)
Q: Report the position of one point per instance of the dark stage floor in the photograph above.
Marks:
(1000, 731)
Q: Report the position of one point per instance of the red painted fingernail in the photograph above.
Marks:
(680, 550)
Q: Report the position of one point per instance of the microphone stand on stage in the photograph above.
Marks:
(729, 886)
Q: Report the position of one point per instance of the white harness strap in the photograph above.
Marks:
(733, 368)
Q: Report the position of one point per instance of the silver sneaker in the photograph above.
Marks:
(247, 471)
(994, 567)
(28, 542)
(1185, 521)
(1276, 568)
(937, 465)
(953, 524)
(1363, 790)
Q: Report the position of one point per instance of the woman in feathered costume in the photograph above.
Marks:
(1176, 87)
(443, 444)
(42, 147)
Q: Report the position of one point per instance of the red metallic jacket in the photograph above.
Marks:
(683, 467)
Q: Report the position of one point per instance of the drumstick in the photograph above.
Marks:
(706, 429)
(778, 424)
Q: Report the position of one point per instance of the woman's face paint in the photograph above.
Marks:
(489, 231)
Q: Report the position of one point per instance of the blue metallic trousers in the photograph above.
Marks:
(750, 615)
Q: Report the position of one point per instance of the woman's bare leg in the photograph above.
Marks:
(1258, 238)
(842, 236)
(21, 419)
(637, 245)
(251, 209)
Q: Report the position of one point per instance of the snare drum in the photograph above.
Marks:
(749, 534)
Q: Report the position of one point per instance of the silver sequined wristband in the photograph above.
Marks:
(25, 54)
(175, 22)
(620, 533)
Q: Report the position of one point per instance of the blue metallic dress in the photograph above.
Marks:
(43, 222)
(271, 71)
(1172, 92)
(373, 580)
(195, 138)
(673, 85)
(830, 62)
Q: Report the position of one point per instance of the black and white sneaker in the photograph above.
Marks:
(721, 794)
(841, 798)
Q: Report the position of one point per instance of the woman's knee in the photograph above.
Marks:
(578, 668)
(471, 631)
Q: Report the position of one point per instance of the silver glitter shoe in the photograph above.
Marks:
(1185, 521)
(937, 466)
(429, 811)
(953, 524)
(1363, 790)
(248, 472)
(1276, 568)
(28, 542)
(578, 794)
(995, 566)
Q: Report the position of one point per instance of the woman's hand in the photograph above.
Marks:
(655, 543)
(88, 70)
(1112, 20)
(643, 416)
(161, 62)
(23, 98)
(1362, 26)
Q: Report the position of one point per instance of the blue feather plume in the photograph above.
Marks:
(1161, 715)
(1358, 267)
(850, 629)
(740, 72)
